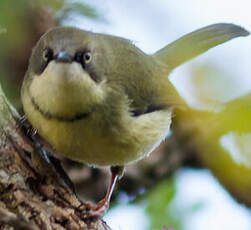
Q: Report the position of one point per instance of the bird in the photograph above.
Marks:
(100, 100)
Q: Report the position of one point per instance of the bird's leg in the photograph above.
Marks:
(100, 209)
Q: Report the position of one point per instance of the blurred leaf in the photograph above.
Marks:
(78, 8)
(158, 208)
(82, 9)
(235, 116)
(204, 132)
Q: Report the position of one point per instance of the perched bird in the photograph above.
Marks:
(98, 99)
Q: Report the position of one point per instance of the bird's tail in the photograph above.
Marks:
(198, 42)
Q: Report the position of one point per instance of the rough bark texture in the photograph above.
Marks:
(31, 194)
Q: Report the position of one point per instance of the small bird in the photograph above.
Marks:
(100, 100)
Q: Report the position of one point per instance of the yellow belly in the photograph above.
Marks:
(81, 141)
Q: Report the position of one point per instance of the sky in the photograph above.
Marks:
(152, 24)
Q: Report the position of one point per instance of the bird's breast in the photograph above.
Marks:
(84, 141)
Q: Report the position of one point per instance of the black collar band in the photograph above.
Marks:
(149, 109)
(50, 116)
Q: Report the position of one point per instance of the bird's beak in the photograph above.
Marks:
(64, 57)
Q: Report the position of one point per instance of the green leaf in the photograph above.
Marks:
(80, 8)
(158, 207)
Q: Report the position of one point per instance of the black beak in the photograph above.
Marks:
(62, 56)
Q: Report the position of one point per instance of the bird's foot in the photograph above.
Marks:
(98, 210)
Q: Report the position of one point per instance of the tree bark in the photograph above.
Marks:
(32, 196)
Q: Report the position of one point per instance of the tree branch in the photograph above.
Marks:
(31, 194)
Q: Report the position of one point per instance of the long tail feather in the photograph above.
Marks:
(198, 42)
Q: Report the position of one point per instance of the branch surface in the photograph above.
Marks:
(31, 194)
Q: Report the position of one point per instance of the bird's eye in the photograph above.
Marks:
(47, 55)
(84, 58)
(87, 57)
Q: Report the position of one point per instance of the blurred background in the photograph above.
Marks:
(200, 178)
